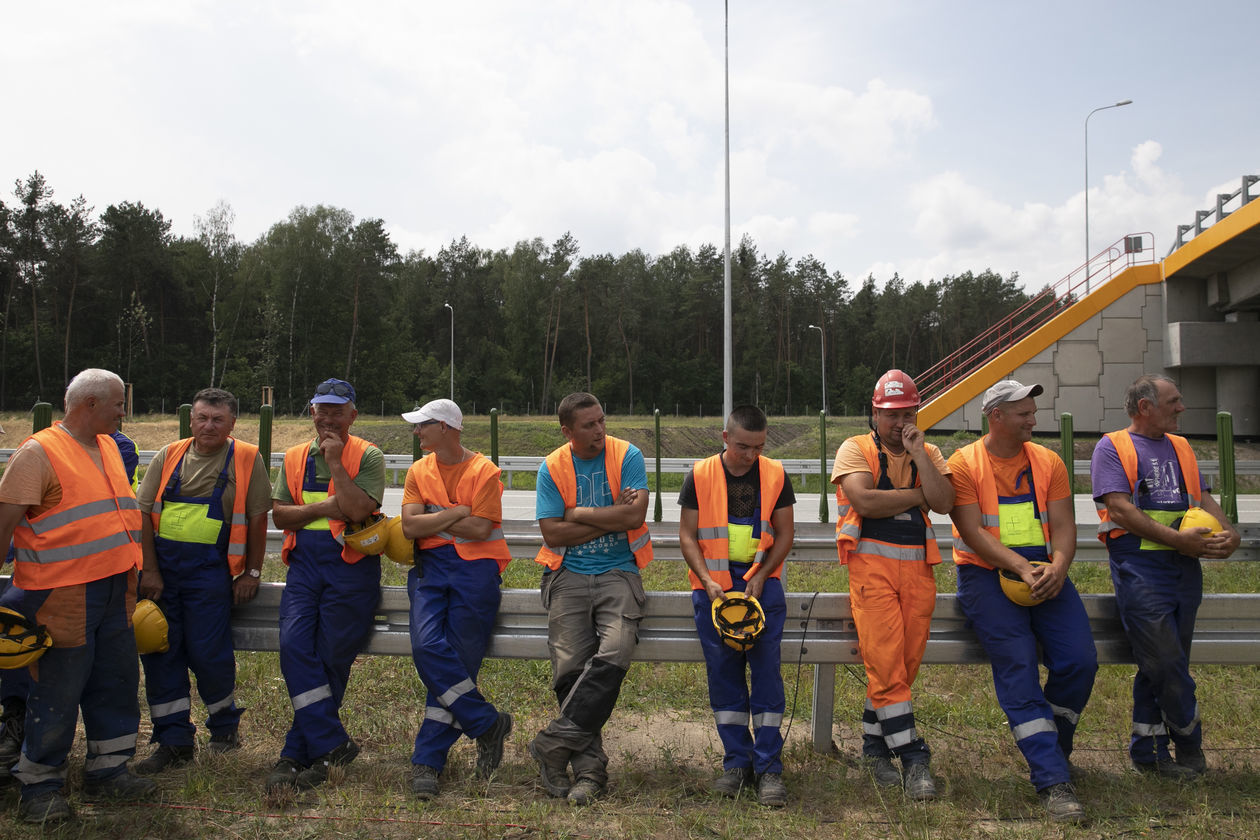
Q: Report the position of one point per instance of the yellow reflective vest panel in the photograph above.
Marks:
(713, 527)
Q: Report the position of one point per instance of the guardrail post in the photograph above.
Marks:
(658, 513)
(1066, 449)
(984, 424)
(823, 708)
(1225, 452)
(185, 421)
(41, 417)
(823, 512)
(494, 436)
(266, 414)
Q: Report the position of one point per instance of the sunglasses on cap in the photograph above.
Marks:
(337, 389)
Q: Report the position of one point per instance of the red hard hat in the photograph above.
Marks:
(895, 389)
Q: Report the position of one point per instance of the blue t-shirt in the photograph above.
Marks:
(611, 551)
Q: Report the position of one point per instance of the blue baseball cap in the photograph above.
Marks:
(336, 391)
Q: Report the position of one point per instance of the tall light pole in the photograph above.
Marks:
(1088, 253)
(822, 350)
(728, 355)
(448, 306)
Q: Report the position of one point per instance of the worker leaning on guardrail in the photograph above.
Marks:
(1145, 479)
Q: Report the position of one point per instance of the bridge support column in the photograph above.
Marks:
(1238, 392)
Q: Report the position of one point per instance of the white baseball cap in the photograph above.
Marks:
(1008, 390)
(443, 411)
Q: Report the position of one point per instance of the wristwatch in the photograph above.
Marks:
(254, 573)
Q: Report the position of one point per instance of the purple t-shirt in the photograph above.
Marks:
(1159, 473)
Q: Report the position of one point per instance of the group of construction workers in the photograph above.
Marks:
(192, 541)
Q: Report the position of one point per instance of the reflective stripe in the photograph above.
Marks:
(767, 528)
(1148, 730)
(158, 710)
(105, 762)
(443, 716)
(1189, 728)
(1033, 727)
(989, 521)
(774, 719)
(74, 552)
(112, 745)
(225, 703)
(32, 773)
(641, 542)
(873, 729)
(892, 552)
(1104, 528)
(456, 691)
(717, 564)
(65, 517)
(900, 739)
(721, 533)
(730, 718)
(843, 510)
(1066, 713)
(444, 535)
(306, 698)
(959, 545)
(236, 548)
(851, 530)
(895, 710)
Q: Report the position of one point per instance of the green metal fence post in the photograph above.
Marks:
(41, 417)
(823, 512)
(266, 416)
(185, 421)
(1067, 452)
(657, 514)
(494, 436)
(984, 424)
(1225, 453)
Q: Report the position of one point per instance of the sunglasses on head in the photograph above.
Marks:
(337, 389)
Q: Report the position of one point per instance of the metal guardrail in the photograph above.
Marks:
(1244, 196)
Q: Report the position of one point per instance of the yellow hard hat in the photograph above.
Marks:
(21, 641)
(739, 620)
(397, 547)
(368, 536)
(1015, 588)
(150, 626)
(1197, 517)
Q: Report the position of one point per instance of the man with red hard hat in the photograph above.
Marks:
(1144, 480)
(886, 482)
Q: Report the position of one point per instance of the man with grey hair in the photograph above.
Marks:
(67, 505)
(1144, 480)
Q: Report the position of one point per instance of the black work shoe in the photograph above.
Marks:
(733, 781)
(165, 757)
(12, 730)
(920, 786)
(283, 777)
(555, 777)
(224, 742)
(1168, 769)
(47, 807)
(317, 773)
(771, 791)
(584, 792)
(490, 745)
(882, 769)
(1061, 803)
(424, 782)
(120, 786)
(1193, 759)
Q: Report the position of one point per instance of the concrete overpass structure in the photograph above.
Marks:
(1194, 316)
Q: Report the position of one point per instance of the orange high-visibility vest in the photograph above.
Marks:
(713, 527)
(295, 468)
(243, 464)
(93, 532)
(560, 468)
(1128, 459)
(849, 538)
(976, 457)
(433, 490)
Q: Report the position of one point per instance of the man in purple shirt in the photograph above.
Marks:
(1144, 479)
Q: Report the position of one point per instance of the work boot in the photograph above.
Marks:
(555, 776)
(771, 791)
(424, 782)
(47, 807)
(12, 730)
(1061, 803)
(317, 773)
(732, 781)
(882, 769)
(919, 783)
(585, 791)
(120, 786)
(224, 742)
(1192, 759)
(490, 745)
(1168, 769)
(165, 757)
(283, 777)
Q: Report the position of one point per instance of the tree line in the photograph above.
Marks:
(322, 294)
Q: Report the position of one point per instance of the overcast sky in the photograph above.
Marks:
(925, 138)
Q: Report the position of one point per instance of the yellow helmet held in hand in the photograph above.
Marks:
(150, 626)
(1197, 517)
(397, 547)
(21, 641)
(369, 536)
(1015, 588)
(739, 620)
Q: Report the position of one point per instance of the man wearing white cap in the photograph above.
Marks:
(452, 508)
(1013, 513)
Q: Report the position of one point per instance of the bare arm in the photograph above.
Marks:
(245, 587)
(293, 517)
(10, 515)
(353, 502)
(1197, 542)
(628, 512)
(784, 524)
(873, 503)
(938, 491)
(151, 580)
(1050, 578)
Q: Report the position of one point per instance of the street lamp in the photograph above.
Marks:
(822, 350)
(448, 306)
(1088, 254)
